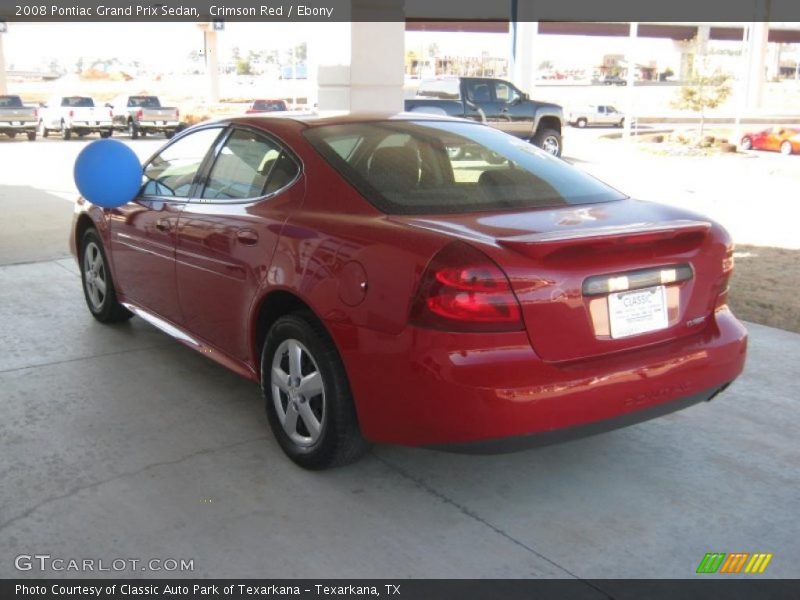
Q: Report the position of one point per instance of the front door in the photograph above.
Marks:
(143, 232)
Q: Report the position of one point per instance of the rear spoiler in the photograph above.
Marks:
(539, 245)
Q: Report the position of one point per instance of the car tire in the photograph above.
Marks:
(319, 430)
(621, 122)
(43, 131)
(169, 134)
(12, 134)
(98, 286)
(786, 148)
(66, 132)
(747, 143)
(31, 136)
(106, 134)
(133, 131)
(548, 140)
(582, 123)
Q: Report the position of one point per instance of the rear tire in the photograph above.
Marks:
(98, 287)
(548, 140)
(43, 131)
(106, 134)
(133, 131)
(308, 399)
(582, 123)
(786, 148)
(169, 134)
(31, 136)
(66, 133)
(12, 134)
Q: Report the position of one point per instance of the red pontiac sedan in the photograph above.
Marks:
(382, 289)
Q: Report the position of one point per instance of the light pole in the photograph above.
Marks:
(3, 29)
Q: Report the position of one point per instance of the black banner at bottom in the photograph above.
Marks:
(405, 589)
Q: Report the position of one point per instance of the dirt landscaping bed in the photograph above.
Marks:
(764, 288)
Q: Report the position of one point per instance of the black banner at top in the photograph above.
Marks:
(301, 11)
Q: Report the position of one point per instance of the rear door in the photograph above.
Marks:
(226, 236)
(143, 232)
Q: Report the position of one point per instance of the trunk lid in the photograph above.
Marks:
(564, 263)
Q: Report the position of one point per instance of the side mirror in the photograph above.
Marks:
(109, 105)
(42, 105)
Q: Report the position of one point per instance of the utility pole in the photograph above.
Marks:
(631, 79)
(3, 30)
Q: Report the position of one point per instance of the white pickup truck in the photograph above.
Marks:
(140, 115)
(602, 114)
(74, 114)
(16, 118)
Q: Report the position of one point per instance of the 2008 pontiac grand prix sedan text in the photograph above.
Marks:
(418, 281)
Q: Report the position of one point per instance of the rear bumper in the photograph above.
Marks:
(17, 127)
(90, 125)
(428, 388)
(546, 438)
(157, 125)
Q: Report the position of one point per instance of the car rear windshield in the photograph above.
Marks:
(144, 102)
(77, 101)
(270, 105)
(439, 167)
(10, 102)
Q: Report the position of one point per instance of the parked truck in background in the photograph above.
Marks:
(495, 102)
(140, 115)
(74, 115)
(602, 114)
(16, 118)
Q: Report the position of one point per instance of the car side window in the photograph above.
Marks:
(172, 172)
(249, 166)
(504, 92)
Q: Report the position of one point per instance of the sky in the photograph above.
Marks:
(29, 45)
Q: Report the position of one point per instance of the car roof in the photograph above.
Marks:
(319, 118)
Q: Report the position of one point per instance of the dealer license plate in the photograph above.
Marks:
(639, 311)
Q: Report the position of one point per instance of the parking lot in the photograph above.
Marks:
(118, 442)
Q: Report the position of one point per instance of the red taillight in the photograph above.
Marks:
(724, 283)
(464, 290)
(177, 114)
(71, 114)
(139, 114)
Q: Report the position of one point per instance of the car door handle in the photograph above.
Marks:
(248, 237)
(163, 225)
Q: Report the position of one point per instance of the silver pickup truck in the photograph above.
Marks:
(140, 115)
(602, 114)
(74, 114)
(16, 118)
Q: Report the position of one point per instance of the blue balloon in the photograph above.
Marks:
(108, 173)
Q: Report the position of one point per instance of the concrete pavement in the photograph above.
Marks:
(119, 442)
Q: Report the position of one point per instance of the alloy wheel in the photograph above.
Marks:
(298, 393)
(94, 275)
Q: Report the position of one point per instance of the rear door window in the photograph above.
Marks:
(249, 166)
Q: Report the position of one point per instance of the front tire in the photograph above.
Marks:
(786, 148)
(307, 395)
(582, 123)
(548, 140)
(98, 287)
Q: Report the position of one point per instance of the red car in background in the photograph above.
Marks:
(383, 287)
(785, 140)
(262, 106)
